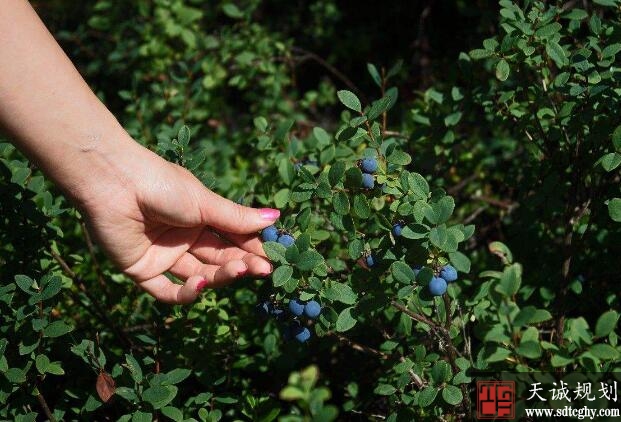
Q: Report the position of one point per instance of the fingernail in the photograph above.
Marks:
(266, 273)
(201, 285)
(242, 272)
(269, 214)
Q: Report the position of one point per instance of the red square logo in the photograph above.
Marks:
(495, 399)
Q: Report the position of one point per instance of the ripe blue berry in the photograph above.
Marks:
(396, 229)
(449, 273)
(369, 165)
(437, 286)
(264, 307)
(286, 240)
(312, 309)
(278, 313)
(367, 181)
(269, 234)
(301, 334)
(370, 260)
(296, 306)
(416, 269)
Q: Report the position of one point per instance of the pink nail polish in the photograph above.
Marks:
(269, 214)
(201, 285)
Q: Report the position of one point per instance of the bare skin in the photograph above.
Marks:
(150, 216)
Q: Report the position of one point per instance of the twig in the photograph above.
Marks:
(308, 55)
(101, 313)
(91, 251)
(357, 346)
(45, 407)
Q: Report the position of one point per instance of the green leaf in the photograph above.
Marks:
(378, 107)
(361, 206)
(232, 11)
(57, 329)
(345, 321)
(529, 349)
(501, 250)
(374, 74)
(606, 323)
(479, 53)
(160, 395)
(172, 413)
(15, 375)
(309, 260)
(402, 272)
(341, 203)
(42, 362)
(604, 351)
(399, 157)
(336, 172)
(460, 261)
(452, 395)
(502, 70)
(183, 136)
(323, 138)
(134, 368)
(418, 185)
(385, 390)
(444, 209)
(614, 209)
(349, 100)
(616, 138)
(286, 171)
(427, 396)
(556, 53)
(275, 252)
(340, 292)
(281, 275)
(452, 119)
(415, 231)
(510, 280)
(51, 288)
(611, 161)
(25, 283)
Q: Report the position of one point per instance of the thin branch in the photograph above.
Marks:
(101, 313)
(360, 347)
(309, 55)
(45, 407)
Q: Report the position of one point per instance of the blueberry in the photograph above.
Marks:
(367, 181)
(297, 166)
(269, 234)
(449, 273)
(370, 260)
(396, 229)
(296, 306)
(312, 309)
(301, 334)
(264, 307)
(416, 269)
(278, 313)
(437, 286)
(286, 240)
(369, 165)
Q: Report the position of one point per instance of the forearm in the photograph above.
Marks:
(50, 112)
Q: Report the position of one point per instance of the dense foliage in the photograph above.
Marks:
(501, 160)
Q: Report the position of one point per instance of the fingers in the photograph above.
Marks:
(165, 250)
(248, 242)
(164, 290)
(212, 249)
(228, 216)
(217, 276)
(189, 267)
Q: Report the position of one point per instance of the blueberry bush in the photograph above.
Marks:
(450, 204)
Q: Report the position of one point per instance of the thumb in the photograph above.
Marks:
(226, 215)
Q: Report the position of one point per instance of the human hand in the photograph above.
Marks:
(159, 218)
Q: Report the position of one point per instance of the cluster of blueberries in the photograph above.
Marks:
(438, 284)
(297, 308)
(272, 234)
(368, 167)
